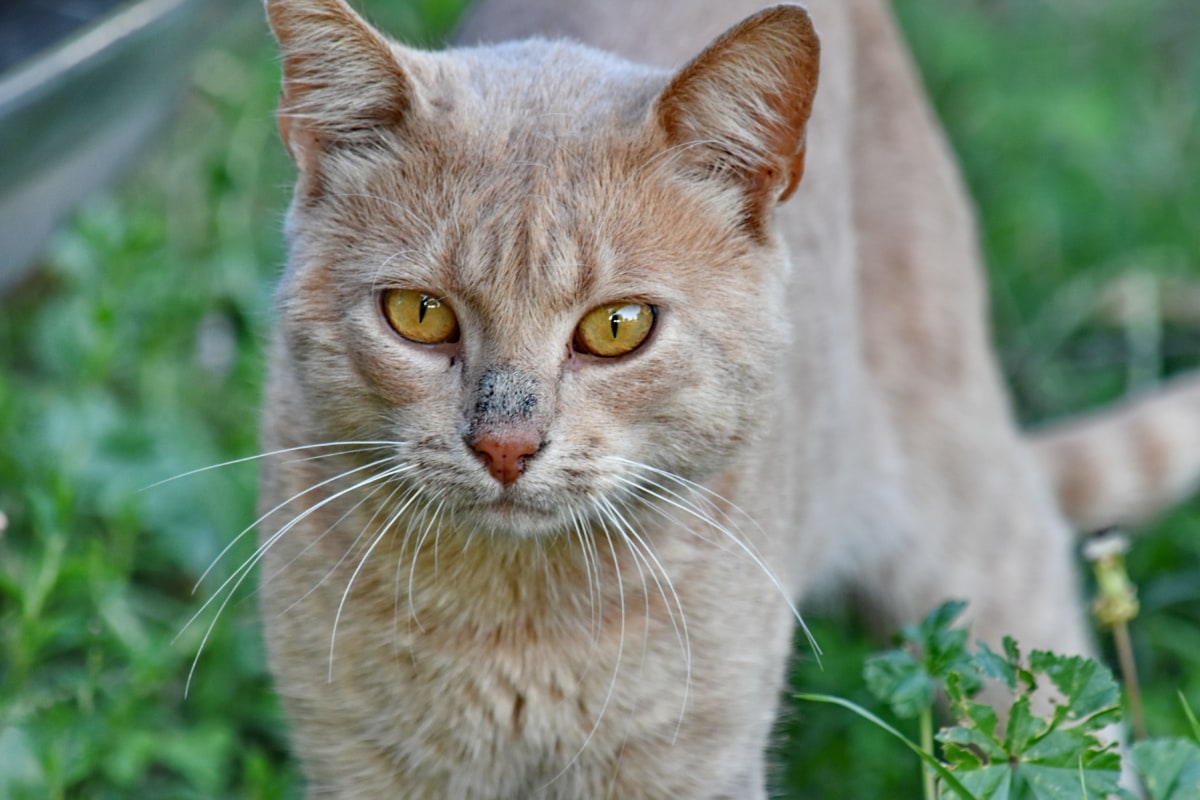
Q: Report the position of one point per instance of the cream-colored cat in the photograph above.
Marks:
(571, 407)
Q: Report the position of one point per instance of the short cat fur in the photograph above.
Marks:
(817, 409)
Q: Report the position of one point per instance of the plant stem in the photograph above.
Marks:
(928, 779)
(1133, 693)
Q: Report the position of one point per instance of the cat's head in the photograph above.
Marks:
(546, 274)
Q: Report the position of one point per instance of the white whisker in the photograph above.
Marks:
(412, 572)
(243, 571)
(620, 526)
(675, 500)
(642, 549)
(590, 565)
(361, 563)
(329, 529)
(265, 516)
(711, 499)
(363, 446)
(612, 685)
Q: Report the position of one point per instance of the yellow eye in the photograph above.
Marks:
(614, 330)
(419, 317)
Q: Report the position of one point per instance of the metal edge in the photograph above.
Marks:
(24, 83)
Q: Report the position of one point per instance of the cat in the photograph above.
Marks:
(589, 367)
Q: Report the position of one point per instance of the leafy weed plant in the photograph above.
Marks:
(1053, 739)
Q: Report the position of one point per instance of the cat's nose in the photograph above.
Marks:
(505, 453)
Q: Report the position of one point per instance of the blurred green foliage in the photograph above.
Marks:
(135, 354)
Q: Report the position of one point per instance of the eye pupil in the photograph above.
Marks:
(614, 329)
(419, 317)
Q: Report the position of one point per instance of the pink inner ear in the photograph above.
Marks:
(341, 79)
(750, 93)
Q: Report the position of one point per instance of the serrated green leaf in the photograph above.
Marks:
(1087, 685)
(1043, 758)
(945, 646)
(961, 758)
(947, 655)
(981, 742)
(1103, 719)
(955, 690)
(1020, 676)
(996, 666)
(1169, 768)
(1032, 781)
(907, 682)
(982, 717)
(898, 679)
(1068, 783)
(1063, 747)
(940, 619)
(989, 783)
(1024, 727)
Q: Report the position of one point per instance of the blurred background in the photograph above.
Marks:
(141, 194)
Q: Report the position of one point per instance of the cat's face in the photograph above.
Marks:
(530, 288)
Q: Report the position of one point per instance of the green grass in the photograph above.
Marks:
(135, 354)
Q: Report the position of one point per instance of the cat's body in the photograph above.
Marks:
(535, 600)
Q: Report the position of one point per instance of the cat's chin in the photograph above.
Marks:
(510, 517)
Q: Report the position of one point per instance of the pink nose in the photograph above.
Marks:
(505, 454)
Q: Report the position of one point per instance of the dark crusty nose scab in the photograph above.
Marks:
(504, 431)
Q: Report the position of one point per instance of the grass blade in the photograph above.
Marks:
(928, 758)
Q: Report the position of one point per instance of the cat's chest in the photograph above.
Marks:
(519, 673)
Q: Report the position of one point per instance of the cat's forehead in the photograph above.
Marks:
(548, 233)
(556, 86)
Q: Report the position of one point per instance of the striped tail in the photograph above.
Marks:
(1125, 464)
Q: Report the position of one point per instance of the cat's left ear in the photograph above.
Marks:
(739, 108)
(342, 83)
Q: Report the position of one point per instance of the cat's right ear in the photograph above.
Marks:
(342, 84)
(739, 109)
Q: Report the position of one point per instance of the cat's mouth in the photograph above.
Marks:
(510, 513)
